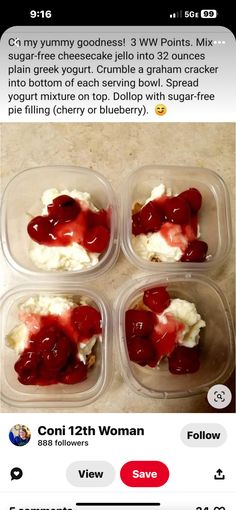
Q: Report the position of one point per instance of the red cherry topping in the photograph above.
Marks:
(176, 220)
(137, 227)
(27, 363)
(97, 239)
(98, 219)
(194, 224)
(46, 338)
(190, 230)
(184, 360)
(51, 355)
(140, 350)
(86, 320)
(63, 208)
(68, 223)
(177, 210)
(153, 362)
(150, 338)
(157, 299)
(27, 378)
(165, 336)
(195, 252)
(26, 367)
(74, 374)
(57, 357)
(193, 197)
(138, 323)
(46, 376)
(151, 217)
(53, 345)
(71, 232)
(40, 229)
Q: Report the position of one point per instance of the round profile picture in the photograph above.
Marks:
(19, 435)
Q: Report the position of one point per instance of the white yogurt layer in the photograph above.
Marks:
(149, 246)
(185, 312)
(158, 192)
(86, 348)
(18, 337)
(73, 257)
(47, 305)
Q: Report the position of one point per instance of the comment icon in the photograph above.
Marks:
(16, 473)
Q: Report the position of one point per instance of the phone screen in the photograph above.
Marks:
(117, 260)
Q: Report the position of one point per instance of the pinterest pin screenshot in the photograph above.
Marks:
(117, 293)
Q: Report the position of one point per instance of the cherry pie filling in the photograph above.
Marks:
(149, 340)
(172, 216)
(51, 354)
(67, 222)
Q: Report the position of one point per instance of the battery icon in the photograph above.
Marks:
(208, 13)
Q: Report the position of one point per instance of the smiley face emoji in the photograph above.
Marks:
(160, 109)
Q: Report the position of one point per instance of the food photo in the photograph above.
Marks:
(117, 266)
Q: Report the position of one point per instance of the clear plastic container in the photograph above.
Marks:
(214, 215)
(57, 395)
(216, 339)
(22, 197)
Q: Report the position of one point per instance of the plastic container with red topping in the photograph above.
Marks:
(22, 201)
(55, 395)
(214, 216)
(216, 339)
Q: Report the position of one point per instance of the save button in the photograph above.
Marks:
(144, 473)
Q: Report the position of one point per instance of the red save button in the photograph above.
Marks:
(144, 473)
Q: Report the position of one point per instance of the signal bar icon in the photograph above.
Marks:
(177, 14)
